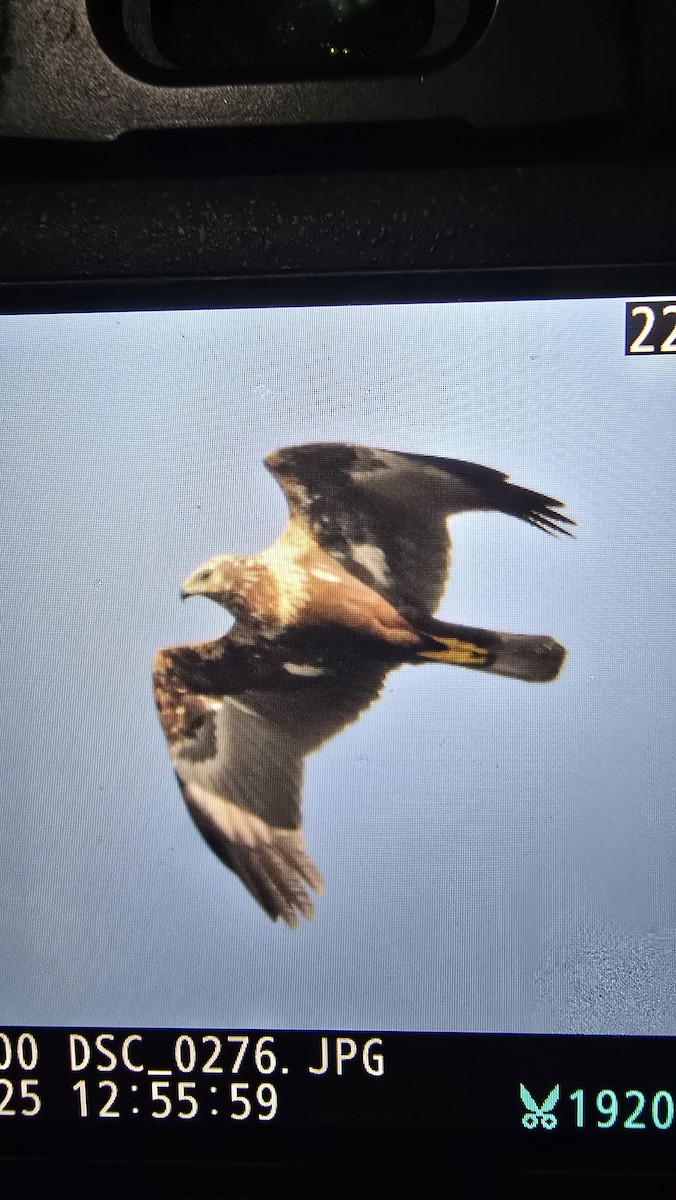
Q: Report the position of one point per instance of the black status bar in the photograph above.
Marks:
(239, 1092)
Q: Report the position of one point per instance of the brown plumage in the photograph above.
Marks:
(346, 594)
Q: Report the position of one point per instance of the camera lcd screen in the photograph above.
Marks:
(485, 851)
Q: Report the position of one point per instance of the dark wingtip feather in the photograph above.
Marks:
(534, 507)
(275, 873)
(549, 521)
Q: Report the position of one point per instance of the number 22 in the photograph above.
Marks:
(639, 344)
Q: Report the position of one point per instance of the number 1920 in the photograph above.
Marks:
(634, 1110)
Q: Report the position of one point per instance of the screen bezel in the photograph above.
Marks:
(307, 290)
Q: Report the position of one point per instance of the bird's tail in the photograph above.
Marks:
(531, 657)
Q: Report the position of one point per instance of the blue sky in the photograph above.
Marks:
(498, 856)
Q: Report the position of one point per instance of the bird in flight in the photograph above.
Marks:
(345, 595)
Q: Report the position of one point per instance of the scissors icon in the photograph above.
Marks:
(539, 1114)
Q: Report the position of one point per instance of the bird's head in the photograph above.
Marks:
(220, 579)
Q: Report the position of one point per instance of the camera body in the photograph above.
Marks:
(519, 151)
(507, 147)
(93, 72)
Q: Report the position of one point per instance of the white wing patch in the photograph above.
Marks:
(302, 669)
(326, 575)
(373, 560)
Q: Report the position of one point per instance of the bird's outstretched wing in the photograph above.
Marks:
(383, 514)
(239, 721)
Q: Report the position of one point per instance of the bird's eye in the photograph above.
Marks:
(204, 575)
